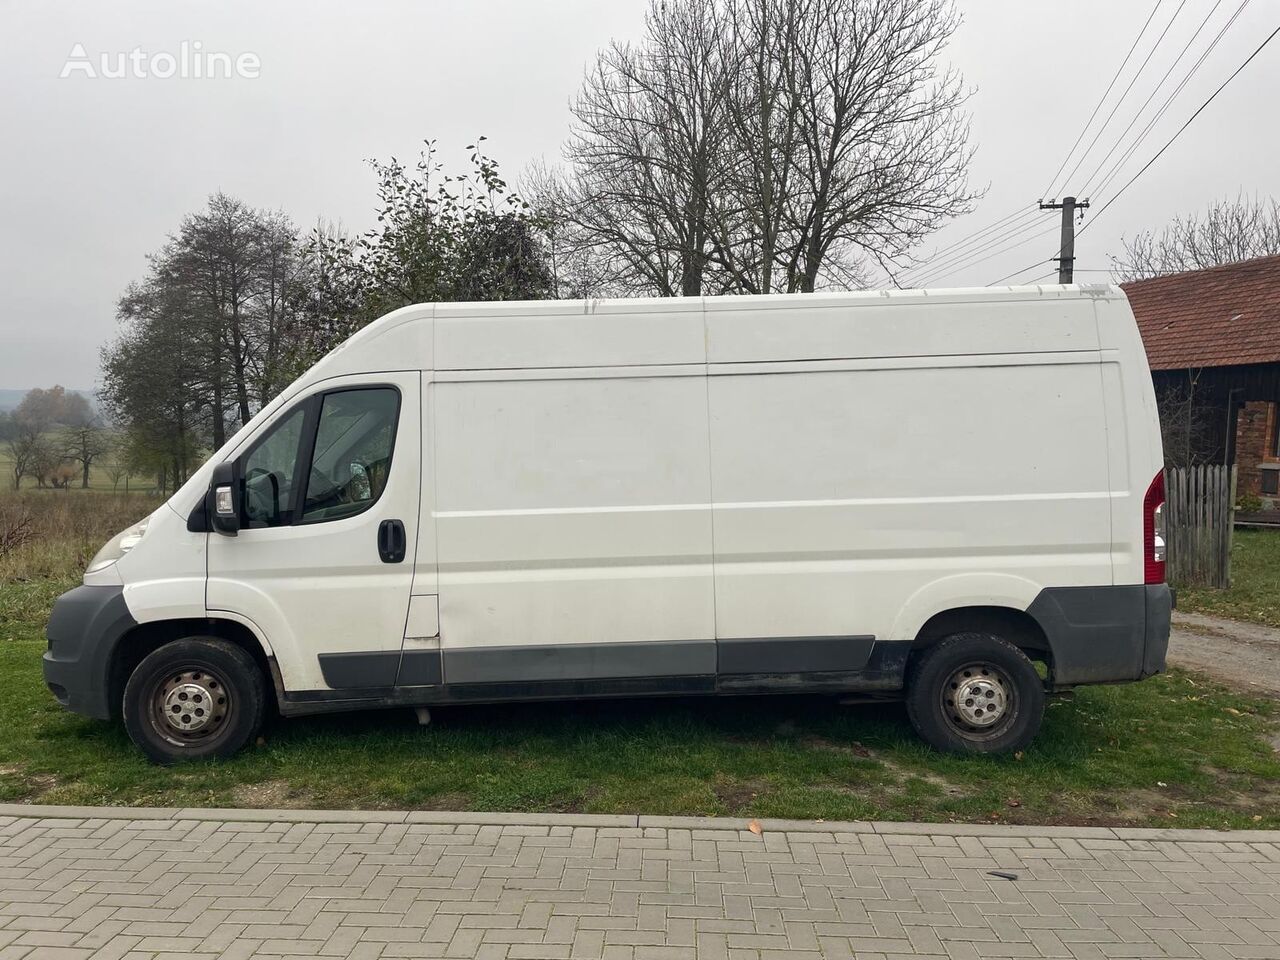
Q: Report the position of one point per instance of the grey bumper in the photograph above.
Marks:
(84, 628)
(1105, 634)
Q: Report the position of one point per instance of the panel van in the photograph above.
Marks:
(947, 497)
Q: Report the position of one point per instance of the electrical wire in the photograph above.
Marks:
(1134, 79)
(1159, 153)
(959, 258)
(1146, 131)
(968, 259)
(1038, 263)
(996, 253)
(1016, 227)
(966, 252)
(954, 250)
(1048, 190)
(1156, 89)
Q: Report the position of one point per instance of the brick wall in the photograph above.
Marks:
(1255, 426)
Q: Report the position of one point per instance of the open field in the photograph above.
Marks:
(64, 529)
(99, 482)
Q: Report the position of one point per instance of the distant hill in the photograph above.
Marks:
(9, 399)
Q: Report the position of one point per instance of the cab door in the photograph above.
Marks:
(323, 562)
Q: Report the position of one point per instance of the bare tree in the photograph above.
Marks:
(116, 467)
(647, 146)
(1229, 231)
(579, 268)
(1187, 426)
(766, 145)
(84, 443)
(27, 450)
(48, 464)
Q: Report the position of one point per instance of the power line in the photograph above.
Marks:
(1134, 79)
(966, 251)
(1019, 225)
(953, 250)
(1110, 116)
(1119, 193)
(1048, 190)
(1235, 73)
(997, 253)
(1038, 263)
(970, 250)
(946, 269)
(1146, 131)
(1156, 89)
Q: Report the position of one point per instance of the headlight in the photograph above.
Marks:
(117, 547)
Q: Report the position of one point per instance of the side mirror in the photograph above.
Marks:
(223, 500)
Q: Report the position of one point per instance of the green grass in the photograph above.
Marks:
(1174, 751)
(1254, 593)
(99, 480)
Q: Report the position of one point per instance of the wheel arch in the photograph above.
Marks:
(145, 638)
(1017, 626)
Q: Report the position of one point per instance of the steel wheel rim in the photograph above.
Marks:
(191, 704)
(978, 700)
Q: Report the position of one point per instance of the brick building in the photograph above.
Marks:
(1213, 342)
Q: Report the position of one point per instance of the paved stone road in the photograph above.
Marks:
(119, 883)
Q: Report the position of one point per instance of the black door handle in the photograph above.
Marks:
(391, 541)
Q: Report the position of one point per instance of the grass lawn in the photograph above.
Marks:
(1175, 751)
(1254, 593)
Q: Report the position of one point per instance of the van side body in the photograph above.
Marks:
(633, 497)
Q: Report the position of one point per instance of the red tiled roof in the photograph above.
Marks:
(1218, 317)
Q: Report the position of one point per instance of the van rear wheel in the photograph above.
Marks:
(194, 699)
(975, 693)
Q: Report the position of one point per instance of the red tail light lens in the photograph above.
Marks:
(1153, 543)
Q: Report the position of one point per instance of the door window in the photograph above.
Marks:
(352, 456)
(345, 439)
(270, 473)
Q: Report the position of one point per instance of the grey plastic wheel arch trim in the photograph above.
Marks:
(85, 627)
(1104, 634)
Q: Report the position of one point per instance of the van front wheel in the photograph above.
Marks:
(194, 699)
(975, 693)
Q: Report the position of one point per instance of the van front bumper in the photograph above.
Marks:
(1105, 634)
(84, 628)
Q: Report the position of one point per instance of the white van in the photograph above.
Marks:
(917, 495)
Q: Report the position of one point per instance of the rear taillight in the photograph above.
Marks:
(1153, 549)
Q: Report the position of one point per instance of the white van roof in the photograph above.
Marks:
(549, 334)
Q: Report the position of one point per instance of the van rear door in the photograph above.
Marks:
(323, 562)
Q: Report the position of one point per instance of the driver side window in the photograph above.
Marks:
(352, 452)
(269, 474)
(326, 459)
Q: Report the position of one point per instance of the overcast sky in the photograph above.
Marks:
(95, 172)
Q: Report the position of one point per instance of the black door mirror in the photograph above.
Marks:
(222, 503)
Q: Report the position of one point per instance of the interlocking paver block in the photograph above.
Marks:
(110, 885)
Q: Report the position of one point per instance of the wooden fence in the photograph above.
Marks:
(1199, 512)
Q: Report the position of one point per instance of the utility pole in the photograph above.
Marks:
(1067, 251)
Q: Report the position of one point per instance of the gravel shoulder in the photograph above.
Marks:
(1245, 655)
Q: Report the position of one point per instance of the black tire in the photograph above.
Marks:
(213, 690)
(975, 693)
